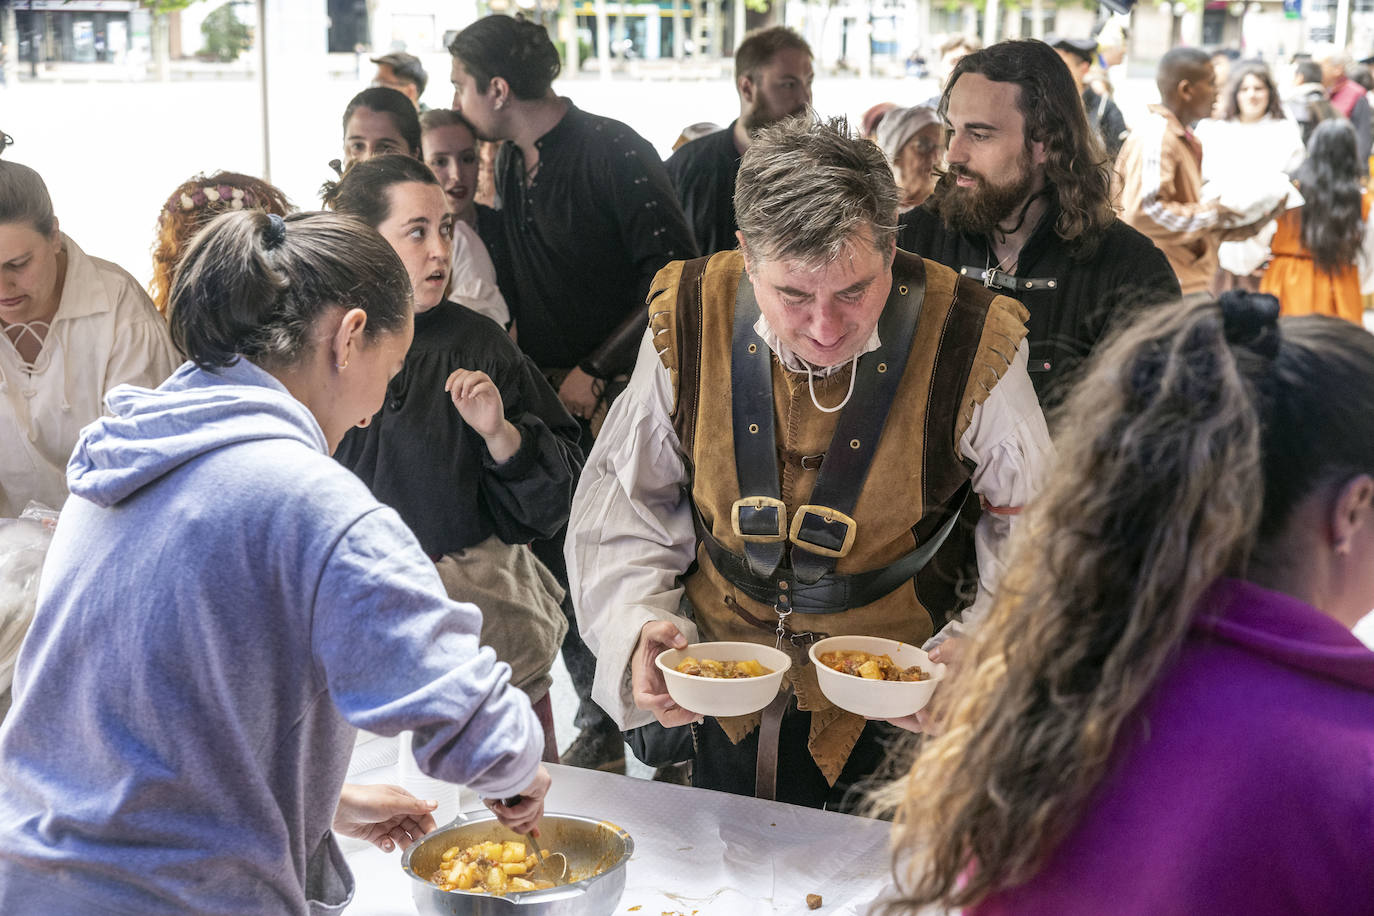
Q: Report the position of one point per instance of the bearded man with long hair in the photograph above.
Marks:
(1024, 205)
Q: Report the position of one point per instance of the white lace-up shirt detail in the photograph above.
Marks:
(106, 332)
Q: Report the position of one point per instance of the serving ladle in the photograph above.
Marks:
(551, 867)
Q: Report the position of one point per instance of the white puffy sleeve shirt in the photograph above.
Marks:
(106, 332)
(630, 536)
(473, 276)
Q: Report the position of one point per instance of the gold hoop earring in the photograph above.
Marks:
(341, 367)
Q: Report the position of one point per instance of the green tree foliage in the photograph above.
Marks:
(225, 37)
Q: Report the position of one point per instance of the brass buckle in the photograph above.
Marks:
(757, 508)
(828, 516)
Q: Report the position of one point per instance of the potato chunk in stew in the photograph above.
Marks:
(871, 667)
(709, 667)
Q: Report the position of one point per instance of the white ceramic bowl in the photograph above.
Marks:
(876, 699)
(712, 696)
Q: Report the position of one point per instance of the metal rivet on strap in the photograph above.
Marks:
(753, 427)
(902, 290)
(783, 584)
(782, 599)
(1029, 284)
(753, 348)
(882, 367)
(853, 443)
(1050, 284)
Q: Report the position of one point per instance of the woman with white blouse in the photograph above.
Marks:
(1253, 141)
(71, 328)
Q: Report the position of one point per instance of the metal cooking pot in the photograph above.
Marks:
(597, 852)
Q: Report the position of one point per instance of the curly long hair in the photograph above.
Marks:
(1077, 166)
(191, 207)
(1329, 178)
(1190, 447)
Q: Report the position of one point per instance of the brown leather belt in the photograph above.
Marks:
(766, 767)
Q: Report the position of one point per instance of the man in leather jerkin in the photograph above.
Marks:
(839, 402)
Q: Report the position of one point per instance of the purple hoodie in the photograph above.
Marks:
(221, 605)
(1243, 785)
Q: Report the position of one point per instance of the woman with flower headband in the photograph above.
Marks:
(71, 328)
(1166, 711)
(192, 206)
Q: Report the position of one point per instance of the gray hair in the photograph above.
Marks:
(806, 187)
(1330, 54)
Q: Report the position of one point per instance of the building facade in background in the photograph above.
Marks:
(879, 37)
(79, 31)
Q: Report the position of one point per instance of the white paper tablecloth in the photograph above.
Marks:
(695, 850)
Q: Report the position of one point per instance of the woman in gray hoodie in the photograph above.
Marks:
(223, 603)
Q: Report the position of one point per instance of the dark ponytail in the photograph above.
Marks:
(364, 190)
(254, 285)
(518, 51)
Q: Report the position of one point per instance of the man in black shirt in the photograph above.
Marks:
(1103, 114)
(587, 216)
(1034, 218)
(773, 75)
(585, 219)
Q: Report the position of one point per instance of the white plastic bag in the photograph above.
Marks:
(23, 545)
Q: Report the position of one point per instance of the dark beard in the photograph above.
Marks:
(756, 120)
(980, 210)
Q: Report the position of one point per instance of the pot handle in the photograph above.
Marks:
(458, 820)
(541, 898)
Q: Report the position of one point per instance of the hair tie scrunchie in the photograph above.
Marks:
(276, 231)
(1251, 320)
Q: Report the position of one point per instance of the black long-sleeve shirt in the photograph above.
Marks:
(1088, 298)
(580, 244)
(419, 457)
(703, 174)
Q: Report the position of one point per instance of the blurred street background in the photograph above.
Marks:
(117, 102)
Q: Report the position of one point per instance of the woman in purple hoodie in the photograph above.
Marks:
(1167, 712)
(223, 604)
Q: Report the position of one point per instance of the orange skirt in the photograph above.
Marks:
(1302, 288)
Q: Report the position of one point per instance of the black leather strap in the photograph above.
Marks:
(835, 592)
(861, 423)
(756, 456)
(993, 278)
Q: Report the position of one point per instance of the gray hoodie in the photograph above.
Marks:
(221, 605)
